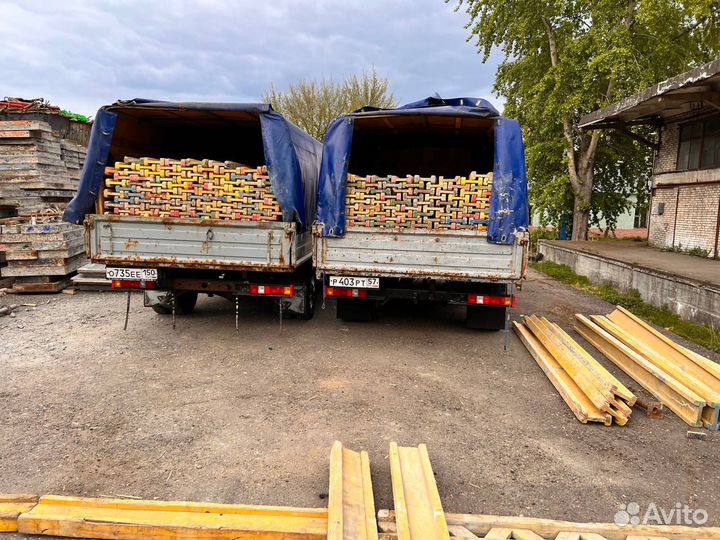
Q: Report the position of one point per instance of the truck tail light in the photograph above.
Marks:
(122, 284)
(343, 292)
(273, 290)
(483, 300)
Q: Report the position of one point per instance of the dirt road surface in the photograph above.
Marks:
(203, 413)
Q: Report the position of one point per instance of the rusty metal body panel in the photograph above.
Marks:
(196, 243)
(454, 255)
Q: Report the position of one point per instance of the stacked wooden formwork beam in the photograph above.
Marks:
(189, 188)
(415, 202)
(591, 391)
(350, 514)
(40, 257)
(684, 381)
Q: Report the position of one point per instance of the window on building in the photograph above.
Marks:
(699, 145)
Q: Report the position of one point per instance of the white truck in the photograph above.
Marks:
(363, 267)
(175, 258)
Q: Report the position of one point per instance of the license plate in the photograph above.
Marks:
(355, 282)
(132, 274)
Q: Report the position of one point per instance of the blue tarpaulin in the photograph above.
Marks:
(291, 155)
(509, 212)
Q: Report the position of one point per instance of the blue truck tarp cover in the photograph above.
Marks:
(509, 211)
(291, 155)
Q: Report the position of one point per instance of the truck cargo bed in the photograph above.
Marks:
(453, 255)
(197, 243)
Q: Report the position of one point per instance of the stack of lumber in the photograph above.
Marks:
(40, 256)
(684, 381)
(38, 168)
(350, 514)
(591, 391)
(91, 277)
(190, 188)
(419, 203)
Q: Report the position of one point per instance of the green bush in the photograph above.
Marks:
(703, 335)
(541, 234)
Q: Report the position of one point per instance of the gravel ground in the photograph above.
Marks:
(203, 413)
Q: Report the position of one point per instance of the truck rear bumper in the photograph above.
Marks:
(427, 291)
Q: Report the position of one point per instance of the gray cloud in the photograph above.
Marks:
(82, 54)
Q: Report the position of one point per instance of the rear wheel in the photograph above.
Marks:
(161, 310)
(486, 318)
(355, 310)
(184, 304)
(310, 292)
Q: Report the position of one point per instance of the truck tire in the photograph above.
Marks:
(185, 304)
(161, 310)
(486, 318)
(311, 292)
(355, 310)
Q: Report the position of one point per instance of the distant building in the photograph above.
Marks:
(685, 205)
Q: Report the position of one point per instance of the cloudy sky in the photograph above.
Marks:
(81, 54)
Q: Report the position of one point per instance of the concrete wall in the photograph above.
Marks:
(692, 300)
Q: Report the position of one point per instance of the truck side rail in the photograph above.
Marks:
(460, 255)
(196, 243)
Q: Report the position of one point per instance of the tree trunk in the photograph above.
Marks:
(581, 214)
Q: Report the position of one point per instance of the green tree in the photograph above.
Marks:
(565, 58)
(313, 105)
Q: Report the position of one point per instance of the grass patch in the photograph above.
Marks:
(695, 252)
(703, 335)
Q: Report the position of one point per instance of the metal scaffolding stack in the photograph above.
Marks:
(417, 202)
(189, 188)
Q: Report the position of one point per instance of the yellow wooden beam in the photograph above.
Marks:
(602, 374)
(158, 520)
(11, 506)
(681, 400)
(419, 511)
(578, 372)
(498, 533)
(706, 363)
(681, 372)
(351, 507)
(696, 379)
(695, 371)
(581, 406)
(481, 525)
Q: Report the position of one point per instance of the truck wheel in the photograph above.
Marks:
(486, 318)
(161, 310)
(185, 304)
(310, 292)
(355, 310)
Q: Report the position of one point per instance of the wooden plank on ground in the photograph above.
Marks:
(677, 397)
(693, 370)
(417, 502)
(41, 287)
(581, 406)
(481, 525)
(11, 506)
(158, 520)
(351, 507)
